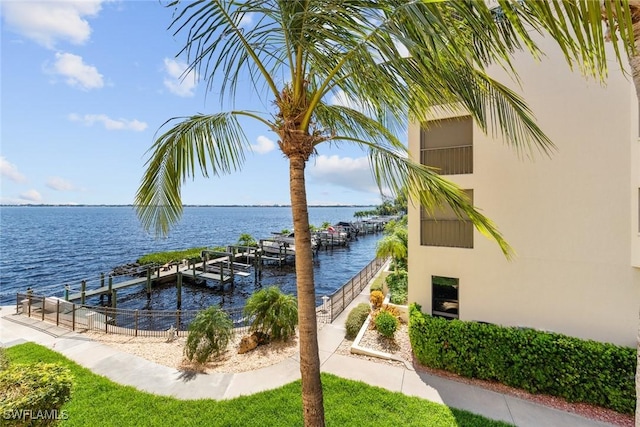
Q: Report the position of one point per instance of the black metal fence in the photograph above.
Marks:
(113, 320)
(157, 323)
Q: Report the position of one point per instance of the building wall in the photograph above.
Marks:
(635, 201)
(572, 218)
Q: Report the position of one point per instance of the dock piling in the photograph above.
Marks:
(83, 288)
(179, 291)
(148, 283)
(102, 286)
(110, 289)
(135, 321)
(178, 321)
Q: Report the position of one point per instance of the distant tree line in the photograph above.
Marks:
(389, 206)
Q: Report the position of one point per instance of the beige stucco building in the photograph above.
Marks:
(572, 218)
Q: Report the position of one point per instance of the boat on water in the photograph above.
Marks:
(283, 244)
(332, 236)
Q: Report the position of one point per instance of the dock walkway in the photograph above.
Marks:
(220, 269)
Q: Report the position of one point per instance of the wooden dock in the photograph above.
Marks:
(222, 267)
(106, 289)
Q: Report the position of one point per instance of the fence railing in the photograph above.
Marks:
(157, 323)
(113, 320)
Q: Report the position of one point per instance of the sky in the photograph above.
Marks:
(86, 86)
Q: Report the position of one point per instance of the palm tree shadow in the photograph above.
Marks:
(189, 373)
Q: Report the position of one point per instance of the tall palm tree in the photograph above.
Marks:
(394, 59)
(395, 243)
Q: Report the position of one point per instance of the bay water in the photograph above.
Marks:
(48, 247)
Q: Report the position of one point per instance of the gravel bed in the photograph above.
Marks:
(171, 354)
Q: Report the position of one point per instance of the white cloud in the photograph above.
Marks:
(76, 72)
(31, 196)
(47, 22)
(247, 20)
(10, 171)
(264, 145)
(108, 122)
(60, 184)
(351, 173)
(177, 81)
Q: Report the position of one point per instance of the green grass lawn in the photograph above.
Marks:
(97, 401)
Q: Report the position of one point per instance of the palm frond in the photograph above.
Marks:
(496, 109)
(430, 190)
(209, 143)
(219, 44)
(345, 123)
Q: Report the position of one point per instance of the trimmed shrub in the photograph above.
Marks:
(209, 335)
(273, 312)
(377, 285)
(391, 309)
(538, 362)
(376, 298)
(4, 360)
(41, 388)
(386, 323)
(356, 319)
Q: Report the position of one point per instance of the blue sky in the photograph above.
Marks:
(87, 84)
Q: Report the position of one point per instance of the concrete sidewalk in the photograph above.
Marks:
(132, 370)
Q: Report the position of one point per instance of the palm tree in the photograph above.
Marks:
(395, 243)
(392, 59)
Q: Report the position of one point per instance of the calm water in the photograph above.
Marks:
(47, 247)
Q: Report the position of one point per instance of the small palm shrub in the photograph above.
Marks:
(356, 319)
(247, 239)
(209, 335)
(386, 323)
(273, 312)
(376, 298)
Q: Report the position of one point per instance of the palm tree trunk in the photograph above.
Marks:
(312, 400)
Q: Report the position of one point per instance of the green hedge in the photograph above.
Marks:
(34, 393)
(356, 319)
(538, 362)
(162, 258)
(398, 284)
